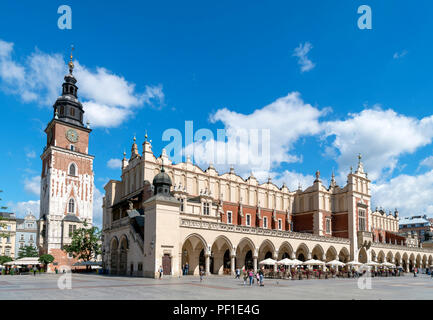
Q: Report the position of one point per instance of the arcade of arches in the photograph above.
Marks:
(223, 257)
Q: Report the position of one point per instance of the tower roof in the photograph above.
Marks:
(67, 107)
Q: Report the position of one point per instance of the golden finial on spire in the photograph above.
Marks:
(71, 64)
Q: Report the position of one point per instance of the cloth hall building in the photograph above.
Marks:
(165, 214)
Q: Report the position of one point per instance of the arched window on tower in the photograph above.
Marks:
(71, 206)
(72, 169)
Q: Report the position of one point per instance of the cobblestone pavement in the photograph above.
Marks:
(86, 287)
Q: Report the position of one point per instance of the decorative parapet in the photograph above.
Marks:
(399, 247)
(197, 224)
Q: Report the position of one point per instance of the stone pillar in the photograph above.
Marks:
(255, 263)
(275, 258)
(232, 265)
(207, 264)
(309, 256)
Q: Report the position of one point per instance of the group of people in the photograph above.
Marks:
(185, 269)
(251, 276)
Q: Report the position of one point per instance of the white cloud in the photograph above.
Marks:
(427, 162)
(33, 185)
(380, 135)
(31, 154)
(114, 163)
(412, 195)
(301, 52)
(287, 119)
(293, 179)
(398, 55)
(108, 99)
(97, 207)
(24, 207)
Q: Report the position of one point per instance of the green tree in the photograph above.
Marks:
(27, 251)
(4, 259)
(85, 244)
(46, 259)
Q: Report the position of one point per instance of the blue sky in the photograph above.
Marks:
(152, 66)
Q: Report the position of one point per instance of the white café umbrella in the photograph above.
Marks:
(335, 263)
(313, 262)
(354, 263)
(285, 262)
(297, 262)
(372, 264)
(24, 261)
(268, 262)
(388, 264)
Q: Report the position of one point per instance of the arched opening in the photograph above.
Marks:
(344, 255)
(285, 251)
(362, 256)
(302, 252)
(193, 254)
(71, 206)
(123, 257)
(220, 256)
(266, 250)
(249, 263)
(331, 254)
(72, 169)
(245, 253)
(227, 260)
(317, 253)
(114, 256)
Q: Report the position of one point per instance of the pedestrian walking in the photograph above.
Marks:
(261, 277)
(245, 276)
(201, 274)
(34, 271)
(183, 269)
(161, 270)
(238, 273)
(186, 268)
(258, 278)
(251, 276)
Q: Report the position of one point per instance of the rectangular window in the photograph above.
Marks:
(206, 209)
(229, 217)
(265, 222)
(328, 225)
(361, 220)
(280, 224)
(248, 220)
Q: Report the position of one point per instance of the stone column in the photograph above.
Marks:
(255, 263)
(232, 264)
(275, 258)
(207, 264)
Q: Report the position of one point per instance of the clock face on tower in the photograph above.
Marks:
(72, 135)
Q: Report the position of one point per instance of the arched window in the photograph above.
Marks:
(72, 169)
(71, 206)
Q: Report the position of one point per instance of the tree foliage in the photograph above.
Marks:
(85, 243)
(4, 259)
(27, 251)
(46, 259)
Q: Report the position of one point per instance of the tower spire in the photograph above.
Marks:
(71, 64)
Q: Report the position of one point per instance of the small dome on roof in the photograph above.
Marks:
(162, 178)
